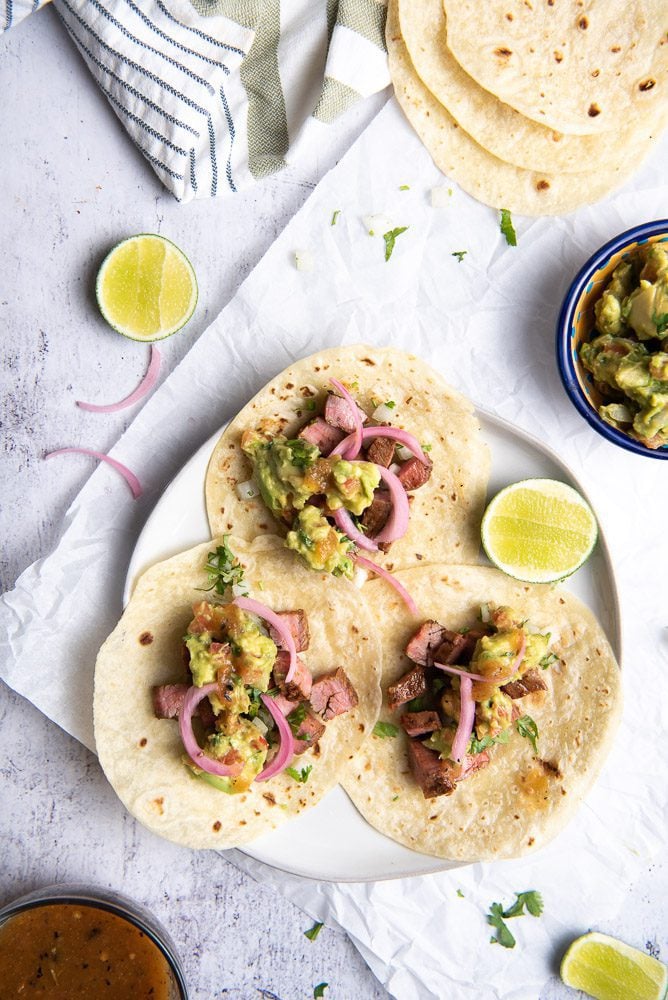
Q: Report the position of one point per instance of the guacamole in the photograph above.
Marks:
(320, 545)
(628, 356)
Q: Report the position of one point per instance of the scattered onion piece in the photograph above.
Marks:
(286, 748)
(466, 719)
(142, 389)
(356, 437)
(392, 580)
(193, 697)
(396, 525)
(345, 523)
(278, 623)
(127, 474)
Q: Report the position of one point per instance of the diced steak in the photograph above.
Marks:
(411, 685)
(168, 702)
(339, 414)
(297, 623)
(528, 683)
(333, 694)
(433, 775)
(299, 687)
(452, 647)
(284, 704)
(472, 763)
(381, 451)
(413, 474)
(322, 435)
(376, 515)
(472, 636)
(425, 642)
(309, 732)
(419, 723)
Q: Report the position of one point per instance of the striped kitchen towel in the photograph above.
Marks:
(217, 93)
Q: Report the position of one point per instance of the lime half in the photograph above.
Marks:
(146, 288)
(538, 530)
(610, 970)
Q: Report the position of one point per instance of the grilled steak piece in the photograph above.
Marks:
(309, 732)
(472, 763)
(425, 642)
(433, 775)
(299, 687)
(528, 683)
(413, 474)
(452, 647)
(376, 515)
(297, 624)
(472, 636)
(411, 685)
(381, 451)
(333, 694)
(419, 723)
(339, 414)
(322, 435)
(168, 701)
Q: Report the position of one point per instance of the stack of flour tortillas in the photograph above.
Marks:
(537, 106)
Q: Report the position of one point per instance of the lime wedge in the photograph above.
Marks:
(538, 530)
(610, 970)
(146, 288)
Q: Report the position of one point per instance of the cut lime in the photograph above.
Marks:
(538, 530)
(146, 288)
(611, 970)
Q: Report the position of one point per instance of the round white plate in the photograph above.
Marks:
(332, 842)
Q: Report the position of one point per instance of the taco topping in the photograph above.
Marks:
(458, 698)
(255, 699)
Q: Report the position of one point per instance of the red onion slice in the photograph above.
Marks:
(287, 640)
(392, 580)
(345, 523)
(396, 525)
(193, 697)
(466, 719)
(461, 672)
(127, 474)
(402, 437)
(356, 437)
(286, 749)
(142, 389)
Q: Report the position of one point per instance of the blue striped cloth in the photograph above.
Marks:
(220, 93)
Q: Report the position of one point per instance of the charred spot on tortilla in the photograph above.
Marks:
(146, 638)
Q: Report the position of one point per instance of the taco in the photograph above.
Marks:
(500, 703)
(221, 713)
(355, 450)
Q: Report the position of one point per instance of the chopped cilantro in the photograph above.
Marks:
(319, 991)
(335, 216)
(313, 932)
(302, 453)
(459, 254)
(507, 228)
(531, 899)
(223, 569)
(548, 660)
(460, 893)
(390, 238)
(305, 539)
(426, 447)
(495, 919)
(660, 321)
(404, 187)
(477, 746)
(300, 776)
(527, 727)
(390, 404)
(394, 798)
(417, 704)
(385, 729)
(309, 405)
(296, 717)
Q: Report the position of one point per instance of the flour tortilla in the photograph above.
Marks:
(500, 129)
(520, 800)
(480, 173)
(575, 67)
(142, 755)
(446, 511)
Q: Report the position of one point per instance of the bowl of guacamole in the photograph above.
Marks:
(612, 340)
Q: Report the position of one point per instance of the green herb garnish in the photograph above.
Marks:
(319, 991)
(335, 216)
(302, 454)
(223, 569)
(390, 239)
(460, 893)
(296, 717)
(300, 776)
(459, 254)
(507, 228)
(527, 727)
(313, 932)
(497, 915)
(660, 322)
(531, 899)
(385, 729)
(404, 187)
(477, 746)
(548, 660)
(390, 404)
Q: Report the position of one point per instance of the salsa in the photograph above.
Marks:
(74, 951)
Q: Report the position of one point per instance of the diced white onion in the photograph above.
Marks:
(247, 490)
(441, 197)
(360, 577)
(239, 590)
(395, 467)
(259, 724)
(303, 260)
(376, 225)
(485, 614)
(404, 453)
(383, 414)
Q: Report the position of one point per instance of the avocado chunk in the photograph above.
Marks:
(319, 544)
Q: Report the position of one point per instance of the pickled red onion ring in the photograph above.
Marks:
(345, 523)
(392, 580)
(396, 525)
(287, 640)
(403, 437)
(127, 474)
(193, 697)
(356, 436)
(461, 672)
(286, 748)
(466, 719)
(142, 389)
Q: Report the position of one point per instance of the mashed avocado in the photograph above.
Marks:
(319, 544)
(244, 744)
(239, 646)
(351, 485)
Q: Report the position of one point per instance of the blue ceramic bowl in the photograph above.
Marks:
(576, 324)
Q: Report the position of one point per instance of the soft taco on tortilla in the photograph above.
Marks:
(354, 454)
(500, 702)
(233, 690)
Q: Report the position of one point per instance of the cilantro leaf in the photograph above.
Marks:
(459, 254)
(548, 660)
(296, 717)
(460, 893)
(660, 321)
(385, 729)
(313, 932)
(319, 991)
(531, 899)
(507, 228)
(477, 746)
(404, 187)
(527, 727)
(495, 919)
(390, 238)
(223, 569)
(335, 216)
(300, 776)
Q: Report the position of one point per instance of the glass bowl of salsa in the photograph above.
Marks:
(83, 943)
(612, 340)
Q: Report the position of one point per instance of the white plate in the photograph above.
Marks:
(332, 842)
